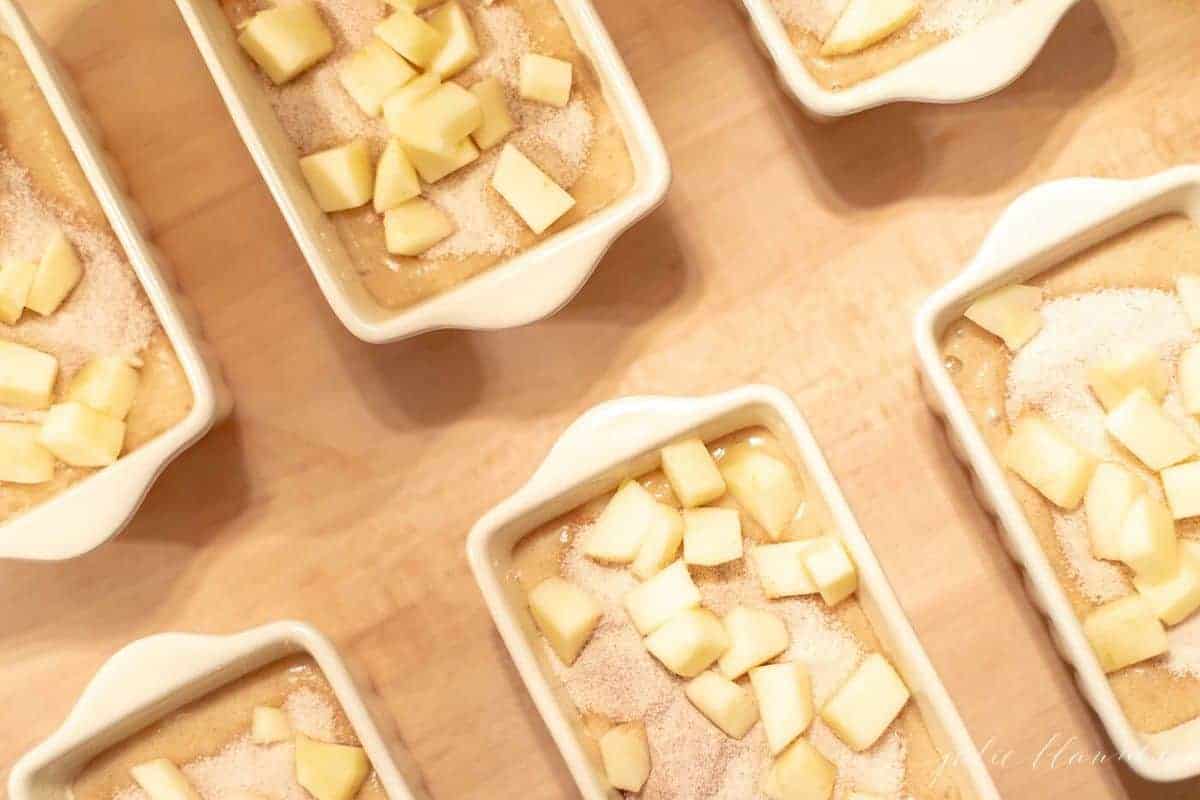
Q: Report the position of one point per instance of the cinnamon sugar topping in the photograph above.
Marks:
(265, 770)
(106, 313)
(1050, 375)
(317, 113)
(949, 17)
(616, 679)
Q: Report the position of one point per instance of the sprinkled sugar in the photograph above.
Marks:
(317, 113)
(105, 314)
(1099, 580)
(265, 770)
(1049, 374)
(1183, 655)
(954, 17)
(817, 16)
(615, 678)
(950, 17)
(311, 714)
(503, 38)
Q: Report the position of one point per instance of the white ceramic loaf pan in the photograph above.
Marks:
(621, 439)
(150, 678)
(1037, 232)
(975, 64)
(517, 291)
(97, 508)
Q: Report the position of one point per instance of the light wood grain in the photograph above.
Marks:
(787, 252)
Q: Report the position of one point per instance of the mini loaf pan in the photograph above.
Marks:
(97, 508)
(621, 439)
(977, 63)
(1037, 232)
(152, 677)
(525, 288)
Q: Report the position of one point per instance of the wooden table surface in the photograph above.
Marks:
(789, 253)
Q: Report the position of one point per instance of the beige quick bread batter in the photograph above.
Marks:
(1120, 291)
(580, 146)
(42, 191)
(809, 21)
(615, 680)
(209, 740)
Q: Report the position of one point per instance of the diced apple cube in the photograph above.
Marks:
(661, 545)
(402, 100)
(1181, 484)
(784, 696)
(414, 226)
(330, 771)
(1175, 597)
(689, 642)
(1010, 313)
(1118, 377)
(162, 780)
(57, 274)
(340, 177)
(286, 40)
(867, 703)
(781, 570)
(536, 198)
(545, 80)
(866, 22)
(711, 536)
(432, 167)
(692, 472)
(831, 570)
(460, 48)
(755, 637)
(1048, 461)
(1188, 287)
(373, 73)
(807, 522)
(668, 593)
(1148, 540)
(623, 525)
(565, 614)
(726, 704)
(80, 436)
(441, 119)
(396, 181)
(626, 756)
(1125, 632)
(800, 773)
(26, 376)
(16, 279)
(411, 37)
(764, 486)
(107, 384)
(1189, 379)
(22, 457)
(1144, 428)
(1110, 493)
(497, 121)
(269, 725)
